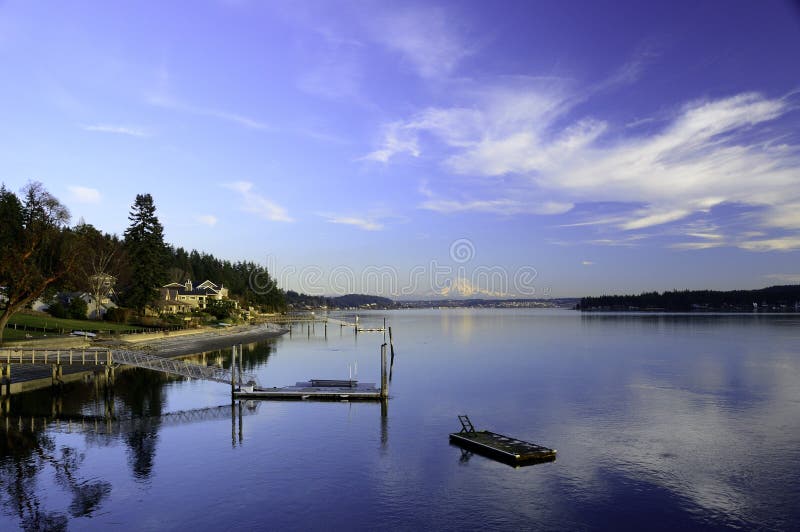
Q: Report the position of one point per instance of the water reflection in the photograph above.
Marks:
(29, 457)
(47, 437)
(661, 422)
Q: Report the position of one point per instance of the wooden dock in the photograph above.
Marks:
(320, 389)
(316, 390)
(502, 448)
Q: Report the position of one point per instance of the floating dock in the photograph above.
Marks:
(502, 448)
(316, 390)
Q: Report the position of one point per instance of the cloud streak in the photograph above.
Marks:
(116, 129)
(162, 97)
(206, 219)
(81, 194)
(365, 223)
(254, 203)
(234, 118)
(424, 37)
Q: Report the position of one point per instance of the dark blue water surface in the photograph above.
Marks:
(660, 421)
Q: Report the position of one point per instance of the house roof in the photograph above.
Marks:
(205, 287)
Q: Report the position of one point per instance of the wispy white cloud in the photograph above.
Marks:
(162, 97)
(623, 240)
(785, 243)
(257, 204)
(373, 219)
(335, 71)
(398, 138)
(132, 131)
(206, 219)
(698, 245)
(235, 118)
(751, 241)
(84, 194)
(498, 206)
(587, 263)
(367, 224)
(425, 36)
(705, 155)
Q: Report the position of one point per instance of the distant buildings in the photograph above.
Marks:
(99, 298)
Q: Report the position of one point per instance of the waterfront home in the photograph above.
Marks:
(184, 297)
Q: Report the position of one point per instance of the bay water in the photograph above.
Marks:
(661, 422)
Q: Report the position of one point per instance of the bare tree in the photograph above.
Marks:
(39, 250)
(99, 265)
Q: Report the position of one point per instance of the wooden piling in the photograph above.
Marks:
(241, 426)
(233, 419)
(384, 384)
(233, 371)
(241, 364)
(6, 380)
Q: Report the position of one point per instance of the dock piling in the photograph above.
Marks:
(241, 364)
(384, 384)
(233, 370)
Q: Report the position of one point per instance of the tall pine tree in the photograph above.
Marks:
(147, 254)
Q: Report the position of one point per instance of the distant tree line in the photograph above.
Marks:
(773, 298)
(246, 281)
(299, 301)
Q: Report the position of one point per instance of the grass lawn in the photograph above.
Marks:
(35, 321)
(11, 334)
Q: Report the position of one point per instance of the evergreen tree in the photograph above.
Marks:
(147, 254)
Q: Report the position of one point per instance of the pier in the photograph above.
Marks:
(109, 360)
(324, 389)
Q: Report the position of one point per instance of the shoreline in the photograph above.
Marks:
(28, 377)
(171, 345)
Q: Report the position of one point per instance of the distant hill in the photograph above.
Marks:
(298, 301)
(360, 300)
(770, 299)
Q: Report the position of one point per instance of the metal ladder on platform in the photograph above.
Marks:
(466, 424)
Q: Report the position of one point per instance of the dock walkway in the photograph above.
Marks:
(119, 357)
(301, 391)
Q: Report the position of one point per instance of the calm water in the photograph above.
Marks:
(660, 421)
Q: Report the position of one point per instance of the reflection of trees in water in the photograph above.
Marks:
(27, 456)
(256, 354)
(142, 394)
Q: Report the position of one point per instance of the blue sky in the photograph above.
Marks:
(418, 149)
